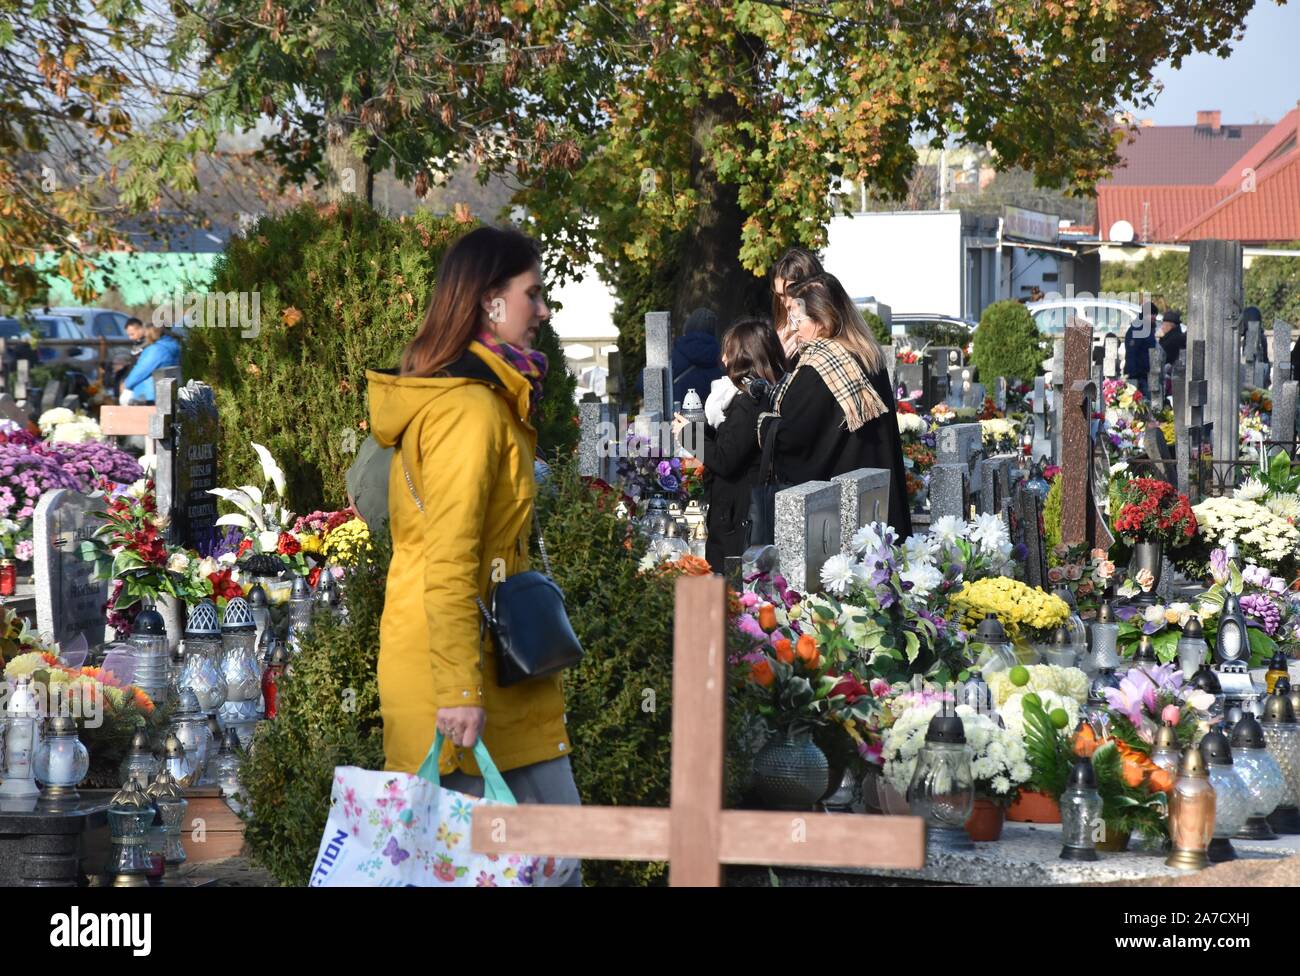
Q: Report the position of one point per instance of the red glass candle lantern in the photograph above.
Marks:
(271, 679)
(8, 577)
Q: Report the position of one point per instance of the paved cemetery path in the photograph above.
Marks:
(231, 872)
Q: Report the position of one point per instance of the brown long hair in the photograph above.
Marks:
(826, 301)
(794, 265)
(477, 263)
(750, 348)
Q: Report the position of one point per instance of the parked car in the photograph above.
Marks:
(95, 322)
(16, 334)
(934, 328)
(1106, 315)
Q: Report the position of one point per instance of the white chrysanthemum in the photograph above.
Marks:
(1013, 710)
(841, 573)
(925, 579)
(920, 549)
(1284, 505)
(1252, 489)
(1001, 785)
(948, 529)
(866, 539)
(989, 531)
(910, 423)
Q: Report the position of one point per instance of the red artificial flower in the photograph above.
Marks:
(288, 545)
(223, 586)
(851, 688)
(244, 546)
(905, 407)
(313, 577)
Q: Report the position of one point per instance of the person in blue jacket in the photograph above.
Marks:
(161, 349)
(1138, 342)
(697, 357)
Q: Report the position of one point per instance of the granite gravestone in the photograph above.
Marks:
(864, 498)
(1191, 430)
(807, 531)
(1156, 378)
(1081, 520)
(1110, 357)
(1280, 343)
(1042, 415)
(1058, 400)
(1027, 531)
(995, 484)
(69, 600)
(951, 477)
(186, 429)
(657, 377)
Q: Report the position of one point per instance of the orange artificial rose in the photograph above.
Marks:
(767, 617)
(806, 648)
(1085, 742)
(762, 673)
(784, 652)
(1133, 772)
(1162, 780)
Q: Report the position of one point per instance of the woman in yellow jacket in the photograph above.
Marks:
(460, 498)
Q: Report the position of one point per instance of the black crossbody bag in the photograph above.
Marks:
(527, 619)
(761, 524)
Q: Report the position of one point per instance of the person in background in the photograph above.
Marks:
(1172, 342)
(794, 265)
(696, 362)
(160, 350)
(754, 363)
(1138, 341)
(124, 359)
(836, 409)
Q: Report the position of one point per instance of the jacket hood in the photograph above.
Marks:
(396, 400)
(698, 349)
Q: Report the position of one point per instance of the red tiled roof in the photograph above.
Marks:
(1182, 155)
(1269, 212)
(1279, 141)
(1157, 213)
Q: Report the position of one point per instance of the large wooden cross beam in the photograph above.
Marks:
(695, 835)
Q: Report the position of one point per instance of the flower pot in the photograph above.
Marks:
(1034, 807)
(986, 819)
(790, 773)
(173, 614)
(1148, 556)
(1114, 841)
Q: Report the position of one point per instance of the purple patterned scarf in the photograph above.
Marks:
(531, 364)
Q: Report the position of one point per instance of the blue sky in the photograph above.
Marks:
(1260, 81)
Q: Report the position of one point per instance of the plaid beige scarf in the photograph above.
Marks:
(843, 375)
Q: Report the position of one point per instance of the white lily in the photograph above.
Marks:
(270, 470)
(268, 540)
(242, 501)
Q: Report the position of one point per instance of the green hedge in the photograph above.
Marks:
(342, 289)
(1007, 343)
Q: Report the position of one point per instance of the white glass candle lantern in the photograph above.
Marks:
(22, 739)
(1081, 807)
(990, 649)
(1283, 737)
(150, 654)
(62, 761)
(942, 791)
(1192, 648)
(1231, 798)
(1261, 774)
(1105, 640)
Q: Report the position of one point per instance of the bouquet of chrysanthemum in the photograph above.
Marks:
(998, 761)
(1022, 610)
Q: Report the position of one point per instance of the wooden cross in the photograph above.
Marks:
(695, 835)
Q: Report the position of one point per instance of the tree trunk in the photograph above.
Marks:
(711, 273)
(348, 173)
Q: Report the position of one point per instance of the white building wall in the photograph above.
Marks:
(911, 261)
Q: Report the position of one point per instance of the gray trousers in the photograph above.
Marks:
(544, 782)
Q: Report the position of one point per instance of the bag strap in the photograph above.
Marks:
(495, 789)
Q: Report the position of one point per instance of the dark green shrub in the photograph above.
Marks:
(878, 328)
(328, 716)
(1007, 343)
(342, 289)
(1161, 278)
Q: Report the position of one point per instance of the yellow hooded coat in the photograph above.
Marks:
(465, 441)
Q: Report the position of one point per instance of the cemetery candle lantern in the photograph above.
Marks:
(1231, 799)
(62, 761)
(1192, 648)
(177, 763)
(1262, 775)
(8, 577)
(1062, 651)
(271, 679)
(1283, 737)
(140, 762)
(1232, 641)
(327, 592)
(1105, 639)
(1191, 813)
(942, 791)
(190, 727)
(130, 814)
(1206, 680)
(170, 801)
(215, 735)
(228, 763)
(1097, 709)
(239, 652)
(1145, 655)
(1080, 812)
(1276, 669)
(21, 741)
(991, 649)
(1164, 750)
(150, 653)
(260, 607)
(301, 604)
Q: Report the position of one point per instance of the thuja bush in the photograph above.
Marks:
(342, 289)
(1007, 343)
(328, 716)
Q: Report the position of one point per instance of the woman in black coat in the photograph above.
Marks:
(836, 408)
(752, 358)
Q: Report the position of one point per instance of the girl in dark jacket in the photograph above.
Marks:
(836, 408)
(754, 363)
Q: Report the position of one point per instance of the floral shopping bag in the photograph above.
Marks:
(398, 830)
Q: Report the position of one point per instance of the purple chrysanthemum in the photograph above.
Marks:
(1264, 610)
